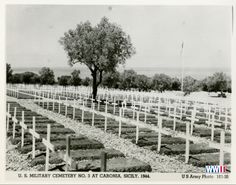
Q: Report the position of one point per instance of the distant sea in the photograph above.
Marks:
(197, 73)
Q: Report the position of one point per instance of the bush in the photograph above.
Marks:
(175, 84)
(87, 81)
(46, 76)
(26, 78)
(128, 79)
(75, 78)
(161, 82)
(17, 78)
(64, 80)
(143, 83)
(111, 79)
(217, 82)
(190, 85)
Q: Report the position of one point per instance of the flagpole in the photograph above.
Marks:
(182, 66)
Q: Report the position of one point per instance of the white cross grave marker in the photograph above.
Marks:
(159, 133)
(187, 143)
(8, 115)
(34, 135)
(48, 145)
(14, 123)
(23, 127)
(119, 133)
(137, 129)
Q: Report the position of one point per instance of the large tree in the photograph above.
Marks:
(46, 76)
(101, 48)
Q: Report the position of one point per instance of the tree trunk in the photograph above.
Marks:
(95, 87)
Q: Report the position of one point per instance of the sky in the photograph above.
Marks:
(157, 32)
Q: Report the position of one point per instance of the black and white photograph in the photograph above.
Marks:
(119, 93)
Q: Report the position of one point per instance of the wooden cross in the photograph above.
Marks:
(137, 129)
(53, 103)
(48, 145)
(123, 107)
(73, 117)
(44, 99)
(14, 123)
(119, 132)
(181, 110)
(92, 101)
(159, 133)
(82, 118)
(159, 107)
(140, 105)
(169, 106)
(133, 106)
(8, 115)
(23, 127)
(187, 143)
(93, 114)
(67, 157)
(174, 117)
(34, 135)
(192, 119)
(48, 101)
(145, 114)
(66, 106)
(114, 105)
(59, 105)
(86, 100)
(99, 101)
(212, 128)
(105, 126)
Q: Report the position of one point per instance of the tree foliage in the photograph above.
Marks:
(143, 83)
(161, 82)
(30, 78)
(9, 72)
(218, 82)
(175, 84)
(25, 78)
(86, 81)
(190, 85)
(46, 76)
(101, 48)
(64, 80)
(111, 79)
(128, 79)
(75, 79)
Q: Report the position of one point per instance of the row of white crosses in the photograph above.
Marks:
(160, 119)
(14, 92)
(192, 119)
(32, 131)
(158, 106)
